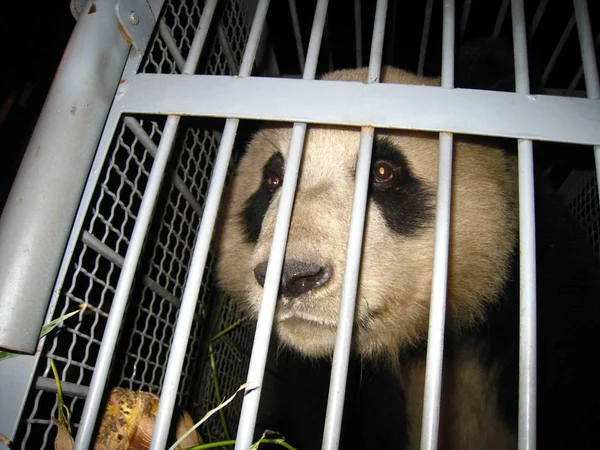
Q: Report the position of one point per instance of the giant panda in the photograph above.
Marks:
(480, 378)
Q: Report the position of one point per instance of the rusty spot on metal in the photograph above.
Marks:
(124, 33)
(122, 81)
(92, 8)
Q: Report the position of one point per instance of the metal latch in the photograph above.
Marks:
(137, 21)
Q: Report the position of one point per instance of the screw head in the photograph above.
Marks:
(133, 18)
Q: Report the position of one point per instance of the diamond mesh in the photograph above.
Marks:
(149, 326)
(147, 332)
(180, 20)
(91, 280)
(585, 207)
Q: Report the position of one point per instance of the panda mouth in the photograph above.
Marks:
(289, 315)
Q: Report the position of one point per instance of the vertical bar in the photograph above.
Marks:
(193, 283)
(425, 36)
(343, 341)
(43, 201)
(527, 345)
(260, 346)
(579, 74)
(117, 311)
(588, 59)
(165, 33)
(358, 32)
(297, 34)
(556, 53)
(500, 19)
(229, 56)
(437, 308)
(464, 18)
(537, 17)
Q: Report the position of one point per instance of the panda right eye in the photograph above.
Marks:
(272, 183)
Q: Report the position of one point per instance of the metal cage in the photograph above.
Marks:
(116, 217)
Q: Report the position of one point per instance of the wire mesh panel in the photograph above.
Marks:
(95, 265)
(580, 192)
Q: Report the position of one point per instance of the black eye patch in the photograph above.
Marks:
(406, 202)
(257, 204)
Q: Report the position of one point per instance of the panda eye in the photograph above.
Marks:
(272, 183)
(383, 172)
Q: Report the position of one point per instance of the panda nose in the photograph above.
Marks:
(297, 278)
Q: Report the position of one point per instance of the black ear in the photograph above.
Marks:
(488, 63)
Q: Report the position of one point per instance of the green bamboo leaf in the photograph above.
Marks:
(52, 325)
(7, 355)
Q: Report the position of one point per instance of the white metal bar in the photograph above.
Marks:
(575, 81)
(262, 336)
(382, 105)
(588, 55)
(117, 311)
(358, 32)
(343, 341)
(68, 389)
(139, 132)
(539, 12)
(229, 56)
(101, 248)
(339, 370)
(527, 279)
(297, 34)
(165, 33)
(425, 36)
(559, 47)
(437, 307)
(193, 284)
(588, 58)
(500, 19)
(45, 194)
(18, 373)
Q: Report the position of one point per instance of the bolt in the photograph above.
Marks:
(133, 18)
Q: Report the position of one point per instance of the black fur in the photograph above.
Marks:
(256, 206)
(568, 289)
(407, 203)
(295, 392)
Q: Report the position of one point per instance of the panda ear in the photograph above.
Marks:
(488, 63)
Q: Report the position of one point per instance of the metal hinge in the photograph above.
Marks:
(137, 21)
(136, 18)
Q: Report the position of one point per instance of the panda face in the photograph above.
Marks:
(396, 267)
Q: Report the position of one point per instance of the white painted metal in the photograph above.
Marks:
(429, 108)
(341, 355)
(437, 307)
(138, 236)
(42, 203)
(193, 283)
(590, 68)
(527, 281)
(260, 346)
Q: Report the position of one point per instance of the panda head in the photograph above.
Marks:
(396, 268)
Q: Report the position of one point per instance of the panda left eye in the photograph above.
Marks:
(383, 172)
(272, 183)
